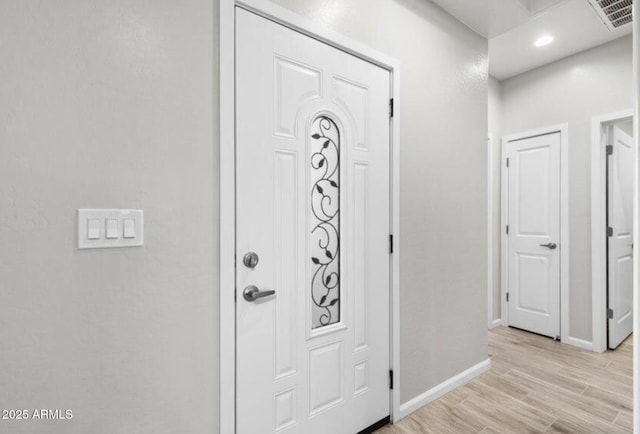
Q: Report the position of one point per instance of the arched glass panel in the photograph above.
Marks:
(325, 222)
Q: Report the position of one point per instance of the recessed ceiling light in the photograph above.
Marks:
(543, 40)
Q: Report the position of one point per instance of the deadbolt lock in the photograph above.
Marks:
(250, 260)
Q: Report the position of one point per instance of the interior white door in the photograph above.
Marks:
(620, 246)
(534, 234)
(312, 201)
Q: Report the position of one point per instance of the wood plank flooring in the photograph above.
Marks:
(535, 385)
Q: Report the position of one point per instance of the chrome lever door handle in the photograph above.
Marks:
(252, 293)
(549, 245)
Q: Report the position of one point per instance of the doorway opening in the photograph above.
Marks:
(535, 228)
(612, 177)
(317, 131)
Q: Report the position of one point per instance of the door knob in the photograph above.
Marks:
(549, 245)
(252, 293)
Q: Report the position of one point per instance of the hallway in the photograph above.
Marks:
(535, 385)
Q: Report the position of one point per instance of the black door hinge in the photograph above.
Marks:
(391, 108)
(609, 149)
(610, 313)
(609, 232)
(391, 379)
(507, 229)
(507, 297)
(507, 162)
(390, 243)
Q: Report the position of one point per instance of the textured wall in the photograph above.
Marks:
(114, 104)
(573, 90)
(443, 177)
(109, 104)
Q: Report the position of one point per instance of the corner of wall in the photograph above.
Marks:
(443, 388)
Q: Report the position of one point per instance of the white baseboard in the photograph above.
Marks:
(495, 323)
(443, 388)
(580, 343)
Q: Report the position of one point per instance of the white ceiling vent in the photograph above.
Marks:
(614, 13)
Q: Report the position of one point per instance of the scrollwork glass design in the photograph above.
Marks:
(325, 222)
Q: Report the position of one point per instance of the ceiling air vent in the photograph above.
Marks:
(614, 13)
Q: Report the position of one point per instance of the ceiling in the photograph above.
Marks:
(512, 26)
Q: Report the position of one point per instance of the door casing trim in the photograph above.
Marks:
(227, 215)
(598, 225)
(563, 129)
(490, 222)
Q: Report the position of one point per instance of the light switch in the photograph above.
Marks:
(93, 229)
(112, 229)
(129, 228)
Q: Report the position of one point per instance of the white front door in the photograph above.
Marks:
(312, 202)
(534, 234)
(620, 170)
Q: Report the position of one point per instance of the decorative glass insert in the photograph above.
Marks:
(325, 222)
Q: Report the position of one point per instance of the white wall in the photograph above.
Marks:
(443, 179)
(114, 104)
(109, 104)
(495, 132)
(573, 90)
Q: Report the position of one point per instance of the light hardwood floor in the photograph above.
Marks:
(535, 385)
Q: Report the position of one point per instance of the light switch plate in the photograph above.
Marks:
(112, 230)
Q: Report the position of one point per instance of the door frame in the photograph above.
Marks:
(491, 323)
(599, 124)
(563, 129)
(489, 232)
(227, 217)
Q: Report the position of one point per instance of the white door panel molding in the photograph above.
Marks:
(621, 171)
(533, 284)
(535, 233)
(601, 127)
(322, 347)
